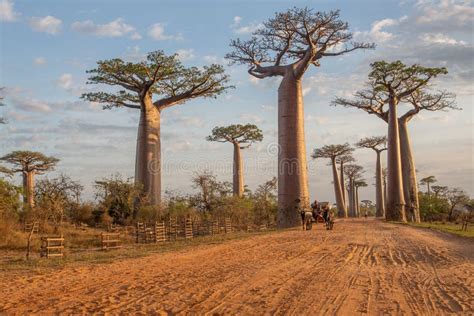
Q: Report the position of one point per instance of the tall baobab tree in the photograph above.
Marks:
(427, 181)
(352, 172)
(151, 86)
(377, 144)
(342, 160)
(29, 164)
(357, 184)
(421, 101)
(332, 152)
(285, 46)
(389, 84)
(241, 137)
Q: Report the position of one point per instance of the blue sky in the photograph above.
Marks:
(46, 47)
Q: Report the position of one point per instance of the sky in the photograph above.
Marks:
(47, 46)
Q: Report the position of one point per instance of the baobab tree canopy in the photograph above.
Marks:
(240, 134)
(390, 79)
(30, 161)
(375, 142)
(297, 37)
(332, 151)
(161, 75)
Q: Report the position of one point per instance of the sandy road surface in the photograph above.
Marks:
(361, 267)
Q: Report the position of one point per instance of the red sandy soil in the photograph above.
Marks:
(362, 267)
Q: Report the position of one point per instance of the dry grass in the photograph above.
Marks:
(83, 246)
(451, 228)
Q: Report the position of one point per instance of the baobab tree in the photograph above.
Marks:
(342, 160)
(332, 152)
(285, 46)
(357, 184)
(377, 144)
(352, 172)
(151, 86)
(427, 181)
(388, 85)
(29, 164)
(241, 137)
(421, 101)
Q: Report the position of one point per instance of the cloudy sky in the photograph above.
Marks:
(47, 46)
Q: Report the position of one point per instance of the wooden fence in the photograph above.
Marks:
(188, 228)
(160, 232)
(52, 246)
(111, 241)
(31, 227)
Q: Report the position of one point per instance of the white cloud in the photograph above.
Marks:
(253, 118)
(452, 14)
(157, 32)
(213, 59)
(48, 24)
(39, 61)
(136, 36)
(438, 38)
(65, 81)
(185, 54)
(7, 11)
(134, 54)
(238, 28)
(30, 105)
(115, 28)
(377, 33)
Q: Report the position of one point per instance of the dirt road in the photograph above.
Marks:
(362, 267)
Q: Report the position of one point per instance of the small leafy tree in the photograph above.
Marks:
(118, 198)
(456, 197)
(56, 198)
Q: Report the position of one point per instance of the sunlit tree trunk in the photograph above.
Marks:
(379, 188)
(351, 198)
(344, 200)
(337, 190)
(238, 179)
(292, 167)
(357, 208)
(410, 186)
(148, 157)
(29, 189)
(395, 200)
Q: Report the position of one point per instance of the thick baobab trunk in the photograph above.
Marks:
(357, 208)
(29, 189)
(292, 167)
(148, 157)
(337, 190)
(395, 200)
(410, 186)
(238, 180)
(344, 200)
(379, 188)
(351, 198)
